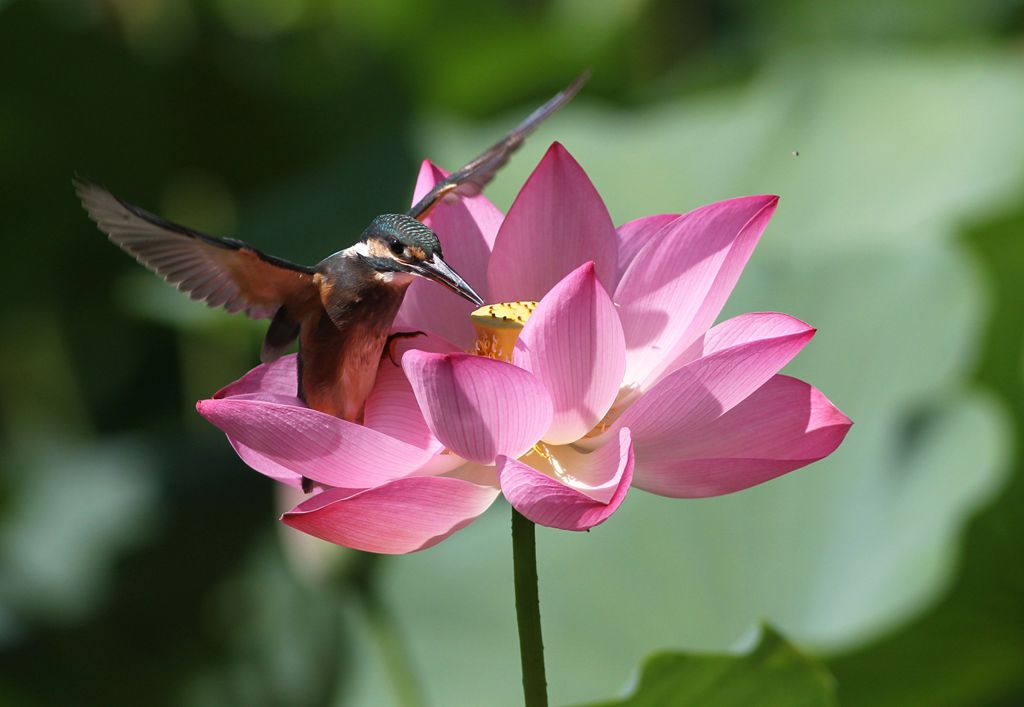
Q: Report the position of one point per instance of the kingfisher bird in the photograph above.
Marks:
(340, 310)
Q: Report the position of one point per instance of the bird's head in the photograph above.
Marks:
(396, 243)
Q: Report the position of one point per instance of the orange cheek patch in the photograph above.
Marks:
(378, 249)
(417, 253)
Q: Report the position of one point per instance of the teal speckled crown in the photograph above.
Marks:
(406, 229)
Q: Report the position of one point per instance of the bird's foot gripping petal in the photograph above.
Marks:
(389, 345)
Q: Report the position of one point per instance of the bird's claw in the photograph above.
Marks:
(389, 345)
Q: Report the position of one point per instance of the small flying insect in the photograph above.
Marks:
(340, 310)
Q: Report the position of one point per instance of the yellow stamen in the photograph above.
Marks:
(613, 413)
(601, 427)
(547, 454)
(498, 326)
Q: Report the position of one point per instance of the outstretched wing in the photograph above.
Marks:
(222, 272)
(470, 179)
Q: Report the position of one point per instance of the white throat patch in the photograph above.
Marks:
(395, 278)
(358, 249)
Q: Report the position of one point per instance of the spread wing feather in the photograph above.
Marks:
(222, 272)
(470, 179)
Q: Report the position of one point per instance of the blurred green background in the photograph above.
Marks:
(140, 561)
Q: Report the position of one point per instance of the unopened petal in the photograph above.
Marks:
(591, 489)
(557, 223)
(402, 516)
(783, 426)
(573, 344)
(478, 407)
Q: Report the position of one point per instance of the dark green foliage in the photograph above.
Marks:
(772, 674)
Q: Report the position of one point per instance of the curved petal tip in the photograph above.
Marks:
(593, 488)
(403, 516)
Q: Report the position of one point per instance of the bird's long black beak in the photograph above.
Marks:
(439, 271)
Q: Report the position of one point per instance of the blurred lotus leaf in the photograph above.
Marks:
(772, 673)
(285, 642)
(73, 510)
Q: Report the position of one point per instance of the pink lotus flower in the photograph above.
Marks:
(616, 379)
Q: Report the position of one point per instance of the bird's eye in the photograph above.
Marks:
(396, 246)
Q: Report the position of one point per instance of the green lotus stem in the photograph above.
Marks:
(531, 644)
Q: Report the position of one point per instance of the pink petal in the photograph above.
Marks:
(453, 219)
(444, 463)
(282, 473)
(573, 344)
(783, 426)
(557, 223)
(393, 410)
(268, 382)
(710, 386)
(480, 474)
(677, 283)
(398, 517)
(591, 490)
(283, 440)
(749, 327)
(278, 380)
(635, 234)
(741, 329)
(392, 407)
(478, 407)
(466, 229)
